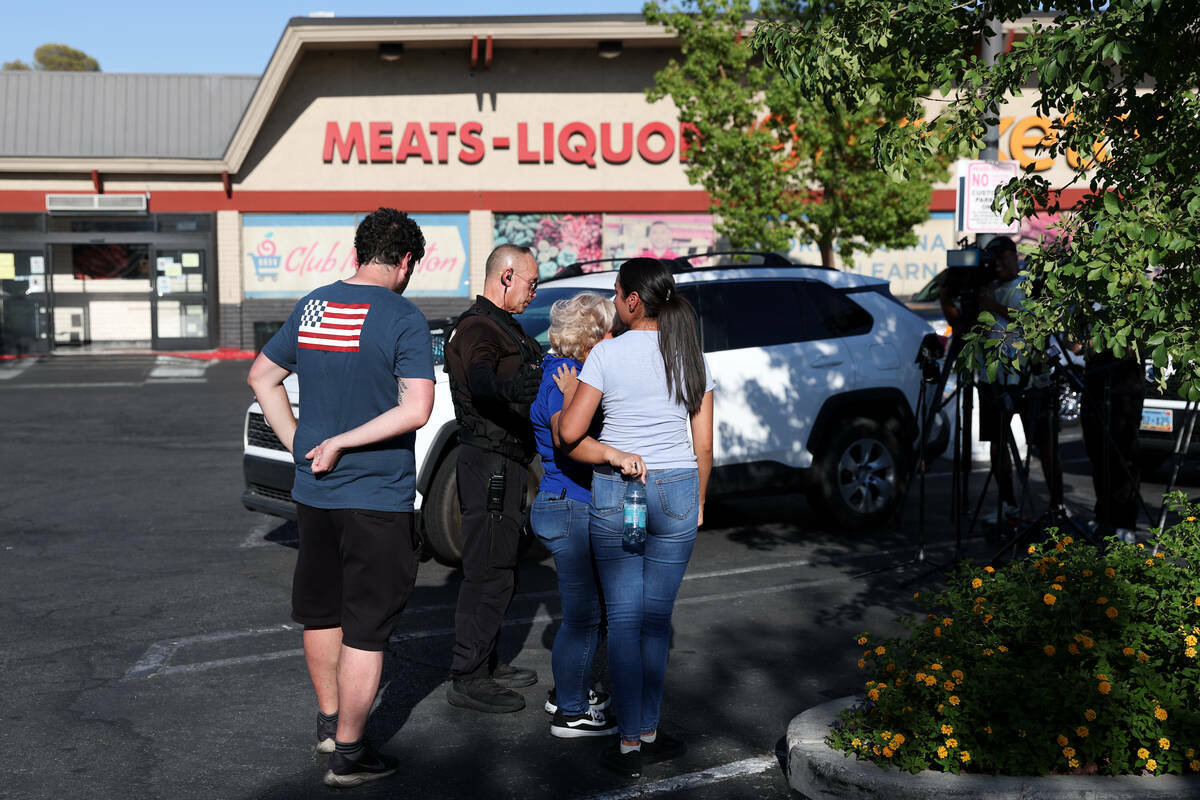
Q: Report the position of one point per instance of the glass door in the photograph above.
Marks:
(180, 291)
(24, 300)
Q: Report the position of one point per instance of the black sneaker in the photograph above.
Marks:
(511, 677)
(326, 732)
(597, 701)
(663, 748)
(344, 772)
(576, 726)
(483, 694)
(627, 765)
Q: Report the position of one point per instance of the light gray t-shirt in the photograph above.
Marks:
(639, 414)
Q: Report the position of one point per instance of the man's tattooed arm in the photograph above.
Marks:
(401, 388)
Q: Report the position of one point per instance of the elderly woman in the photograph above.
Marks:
(559, 518)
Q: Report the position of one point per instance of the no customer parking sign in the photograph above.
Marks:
(977, 184)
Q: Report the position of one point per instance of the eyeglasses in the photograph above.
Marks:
(533, 283)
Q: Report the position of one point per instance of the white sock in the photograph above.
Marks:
(629, 748)
(649, 737)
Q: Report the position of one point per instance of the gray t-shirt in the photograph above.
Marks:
(639, 415)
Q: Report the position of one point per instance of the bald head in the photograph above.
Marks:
(504, 258)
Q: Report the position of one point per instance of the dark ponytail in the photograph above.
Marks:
(678, 328)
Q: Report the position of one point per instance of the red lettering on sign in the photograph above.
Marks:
(689, 137)
(583, 152)
(468, 134)
(606, 148)
(443, 131)
(524, 154)
(412, 143)
(643, 142)
(548, 142)
(381, 141)
(347, 146)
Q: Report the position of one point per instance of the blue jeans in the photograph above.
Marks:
(640, 584)
(562, 525)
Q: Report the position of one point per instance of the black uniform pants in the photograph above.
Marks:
(1114, 457)
(490, 539)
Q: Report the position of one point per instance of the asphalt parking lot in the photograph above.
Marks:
(149, 653)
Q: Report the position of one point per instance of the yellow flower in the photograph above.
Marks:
(862, 640)
(935, 666)
(989, 730)
(1195, 765)
(987, 651)
(1111, 612)
(947, 729)
(954, 700)
(937, 631)
(1190, 640)
(873, 694)
(862, 663)
(1056, 587)
(1003, 649)
(1190, 752)
(952, 743)
(1072, 649)
(1102, 600)
(948, 686)
(916, 595)
(1149, 562)
(887, 752)
(1127, 651)
(1082, 732)
(855, 742)
(1151, 765)
(1160, 555)
(989, 570)
(942, 752)
(976, 583)
(1190, 652)
(1164, 743)
(987, 618)
(1142, 657)
(898, 740)
(1073, 763)
(1087, 573)
(1068, 540)
(948, 621)
(890, 668)
(1049, 599)
(880, 650)
(1105, 687)
(1062, 740)
(930, 680)
(1086, 641)
(1160, 713)
(957, 674)
(1048, 650)
(1031, 550)
(1109, 572)
(1189, 519)
(1196, 602)
(920, 676)
(1069, 752)
(1143, 753)
(1060, 547)
(1089, 715)
(965, 756)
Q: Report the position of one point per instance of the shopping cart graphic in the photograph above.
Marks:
(265, 266)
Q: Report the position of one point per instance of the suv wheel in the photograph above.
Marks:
(860, 474)
(442, 513)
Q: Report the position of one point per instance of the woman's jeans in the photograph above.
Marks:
(640, 584)
(562, 525)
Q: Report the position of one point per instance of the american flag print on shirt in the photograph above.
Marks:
(332, 326)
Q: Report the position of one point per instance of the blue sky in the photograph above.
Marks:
(218, 36)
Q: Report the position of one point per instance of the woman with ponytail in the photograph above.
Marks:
(653, 385)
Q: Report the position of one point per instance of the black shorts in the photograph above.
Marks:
(356, 570)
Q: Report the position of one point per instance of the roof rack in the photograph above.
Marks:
(683, 263)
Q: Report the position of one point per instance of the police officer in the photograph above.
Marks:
(494, 372)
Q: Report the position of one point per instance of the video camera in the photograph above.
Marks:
(969, 269)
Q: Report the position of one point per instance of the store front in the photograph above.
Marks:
(90, 281)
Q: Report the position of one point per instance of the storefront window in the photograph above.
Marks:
(59, 224)
(22, 223)
(111, 261)
(184, 223)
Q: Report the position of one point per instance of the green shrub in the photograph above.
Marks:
(1072, 659)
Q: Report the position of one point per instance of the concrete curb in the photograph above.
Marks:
(820, 773)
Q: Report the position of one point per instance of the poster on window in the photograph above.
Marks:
(289, 255)
(658, 235)
(557, 240)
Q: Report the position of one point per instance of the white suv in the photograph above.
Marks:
(816, 383)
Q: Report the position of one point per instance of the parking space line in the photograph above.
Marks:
(90, 385)
(11, 369)
(156, 655)
(692, 780)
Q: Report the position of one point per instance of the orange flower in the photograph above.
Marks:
(1109, 572)
(880, 650)
(989, 570)
(947, 729)
(1164, 743)
(862, 640)
(1142, 657)
(948, 686)
(952, 743)
(1072, 649)
(1069, 752)
(1111, 612)
(1049, 599)
(1062, 740)
(965, 756)
(1105, 687)
(976, 583)
(1151, 765)
(1128, 651)
(1089, 715)
(1102, 600)
(954, 700)
(1160, 713)
(1082, 732)
(942, 752)
(1048, 650)
(887, 752)
(1143, 753)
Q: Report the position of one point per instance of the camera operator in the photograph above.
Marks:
(1011, 390)
(1110, 416)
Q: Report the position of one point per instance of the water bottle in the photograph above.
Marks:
(635, 512)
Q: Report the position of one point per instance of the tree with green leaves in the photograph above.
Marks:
(1119, 80)
(779, 163)
(56, 58)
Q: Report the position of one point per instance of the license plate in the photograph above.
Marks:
(1157, 419)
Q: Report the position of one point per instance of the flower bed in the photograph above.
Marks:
(1073, 659)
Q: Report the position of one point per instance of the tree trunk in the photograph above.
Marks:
(826, 246)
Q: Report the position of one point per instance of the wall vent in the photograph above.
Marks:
(97, 203)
